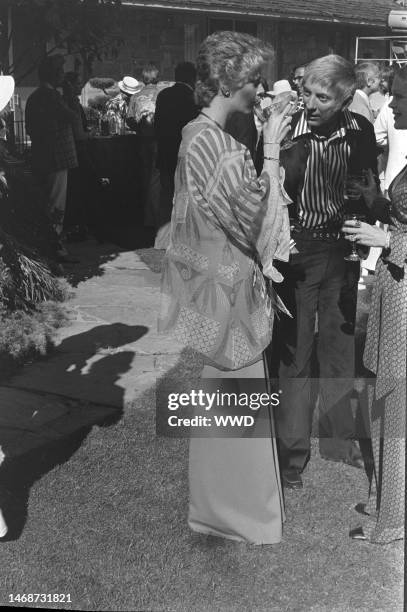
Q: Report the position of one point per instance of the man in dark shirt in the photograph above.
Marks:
(49, 123)
(320, 287)
(175, 108)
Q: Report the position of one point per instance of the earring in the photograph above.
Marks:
(226, 93)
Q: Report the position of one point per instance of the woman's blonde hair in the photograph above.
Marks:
(228, 60)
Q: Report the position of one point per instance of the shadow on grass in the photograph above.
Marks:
(32, 450)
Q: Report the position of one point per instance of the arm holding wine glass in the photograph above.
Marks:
(363, 233)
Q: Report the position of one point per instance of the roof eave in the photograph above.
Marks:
(250, 13)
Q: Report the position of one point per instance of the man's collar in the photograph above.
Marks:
(347, 121)
(363, 94)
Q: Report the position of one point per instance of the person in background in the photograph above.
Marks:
(392, 141)
(49, 123)
(261, 96)
(175, 107)
(71, 90)
(84, 180)
(367, 83)
(380, 97)
(119, 105)
(140, 115)
(214, 297)
(319, 285)
(385, 349)
(140, 118)
(297, 79)
(386, 139)
(75, 218)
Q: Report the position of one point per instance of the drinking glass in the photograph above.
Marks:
(353, 255)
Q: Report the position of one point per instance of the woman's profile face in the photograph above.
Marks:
(399, 103)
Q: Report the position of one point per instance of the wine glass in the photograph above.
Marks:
(353, 255)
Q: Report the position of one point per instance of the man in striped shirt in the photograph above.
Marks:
(320, 287)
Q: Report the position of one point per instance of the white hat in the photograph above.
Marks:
(130, 85)
(6, 90)
(280, 87)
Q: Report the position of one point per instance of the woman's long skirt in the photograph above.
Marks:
(386, 503)
(234, 483)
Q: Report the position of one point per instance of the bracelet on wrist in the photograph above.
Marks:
(271, 143)
(388, 237)
(271, 158)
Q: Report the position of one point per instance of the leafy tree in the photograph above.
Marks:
(87, 29)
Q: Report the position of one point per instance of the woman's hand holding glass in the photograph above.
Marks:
(364, 234)
(277, 126)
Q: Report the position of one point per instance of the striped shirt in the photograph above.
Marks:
(321, 203)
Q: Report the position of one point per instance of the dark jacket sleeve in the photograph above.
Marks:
(380, 209)
(364, 152)
(363, 156)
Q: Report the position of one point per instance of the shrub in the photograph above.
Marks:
(24, 335)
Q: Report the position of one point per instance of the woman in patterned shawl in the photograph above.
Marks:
(225, 221)
(385, 350)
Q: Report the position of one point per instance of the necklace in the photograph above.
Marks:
(214, 120)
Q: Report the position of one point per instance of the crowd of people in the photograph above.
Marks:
(255, 190)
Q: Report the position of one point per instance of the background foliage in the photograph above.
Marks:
(87, 29)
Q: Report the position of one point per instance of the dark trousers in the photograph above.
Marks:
(320, 286)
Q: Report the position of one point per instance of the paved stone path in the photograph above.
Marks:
(108, 354)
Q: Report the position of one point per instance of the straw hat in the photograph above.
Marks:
(280, 87)
(130, 85)
(6, 90)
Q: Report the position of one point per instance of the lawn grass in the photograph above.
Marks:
(109, 527)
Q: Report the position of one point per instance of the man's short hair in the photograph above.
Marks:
(333, 72)
(49, 67)
(185, 72)
(150, 74)
(364, 71)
